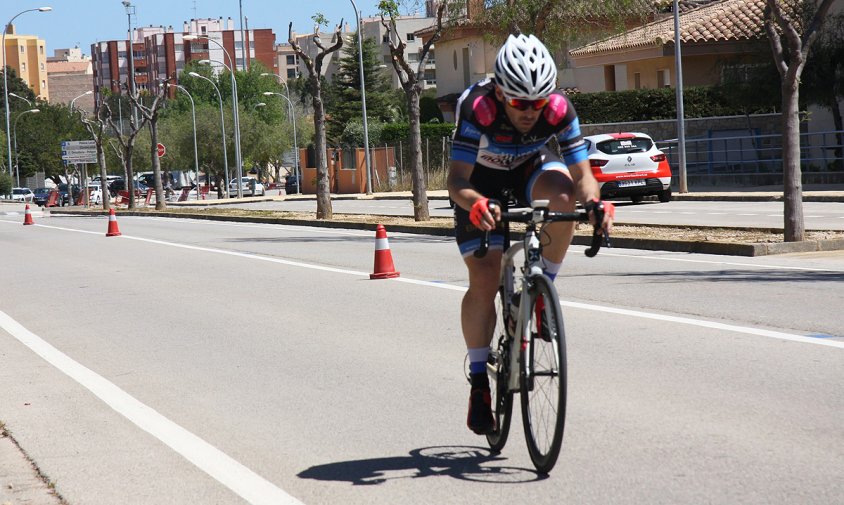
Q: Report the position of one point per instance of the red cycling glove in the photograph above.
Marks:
(479, 208)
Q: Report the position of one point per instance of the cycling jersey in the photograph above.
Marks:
(485, 136)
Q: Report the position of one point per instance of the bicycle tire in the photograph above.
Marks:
(498, 367)
(543, 379)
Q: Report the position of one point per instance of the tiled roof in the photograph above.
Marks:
(68, 67)
(726, 20)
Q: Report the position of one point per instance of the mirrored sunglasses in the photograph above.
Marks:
(522, 104)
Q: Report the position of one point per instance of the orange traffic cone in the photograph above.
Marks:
(113, 230)
(384, 268)
(27, 216)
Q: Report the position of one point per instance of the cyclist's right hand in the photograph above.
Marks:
(485, 214)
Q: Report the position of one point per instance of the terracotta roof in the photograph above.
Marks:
(68, 67)
(726, 20)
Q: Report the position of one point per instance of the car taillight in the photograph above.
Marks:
(658, 157)
(597, 163)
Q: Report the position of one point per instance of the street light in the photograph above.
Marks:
(22, 98)
(130, 9)
(236, 115)
(363, 102)
(17, 159)
(298, 170)
(195, 150)
(222, 125)
(681, 128)
(89, 92)
(6, 80)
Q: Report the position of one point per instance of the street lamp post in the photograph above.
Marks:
(6, 80)
(195, 150)
(236, 114)
(17, 158)
(297, 172)
(22, 98)
(363, 102)
(89, 92)
(681, 127)
(222, 125)
(130, 9)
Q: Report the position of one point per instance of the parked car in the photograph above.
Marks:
(629, 165)
(41, 196)
(22, 195)
(63, 198)
(120, 185)
(250, 187)
(292, 185)
(96, 194)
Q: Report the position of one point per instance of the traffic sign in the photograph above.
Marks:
(78, 144)
(161, 149)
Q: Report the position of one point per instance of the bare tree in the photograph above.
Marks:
(97, 130)
(411, 82)
(314, 67)
(791, 32)
(151, 115)
(127, 144)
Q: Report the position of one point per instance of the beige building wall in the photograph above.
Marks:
(27, 55)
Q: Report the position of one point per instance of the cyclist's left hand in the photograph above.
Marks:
(606, 210)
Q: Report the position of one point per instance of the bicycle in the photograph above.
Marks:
(528, 358)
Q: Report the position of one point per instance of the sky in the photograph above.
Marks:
(83, 22)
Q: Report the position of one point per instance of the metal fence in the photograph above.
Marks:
(719, 159)
(756, 159)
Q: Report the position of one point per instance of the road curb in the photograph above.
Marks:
(687, 246)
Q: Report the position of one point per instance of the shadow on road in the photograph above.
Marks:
(465, 463)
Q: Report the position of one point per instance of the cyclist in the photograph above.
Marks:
(500, 139)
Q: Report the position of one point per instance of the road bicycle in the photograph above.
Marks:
(529, 356)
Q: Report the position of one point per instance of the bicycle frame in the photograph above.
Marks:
(532, 267)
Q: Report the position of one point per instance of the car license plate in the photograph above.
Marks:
(628, 184)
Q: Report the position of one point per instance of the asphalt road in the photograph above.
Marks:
(203, 362)
(817, 215)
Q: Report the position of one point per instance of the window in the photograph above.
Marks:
(291, 73)
(291, 59)
(637, 80)
(23, 66)
(179, 48)
(662, 78)
(412, 57)
(386, 38)
(410, 37)
(204, 30)
(23, 49)
(625, 146)
(43, 84)
(41, 49)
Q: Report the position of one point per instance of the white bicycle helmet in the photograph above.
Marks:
(524, 68)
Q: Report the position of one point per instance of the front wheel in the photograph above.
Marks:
(543, 377)
(498, 369)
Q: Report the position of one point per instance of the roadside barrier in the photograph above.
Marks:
(113, 230)
(53, 199)
(27, 216)
(384, 268)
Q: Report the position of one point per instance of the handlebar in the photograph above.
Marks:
(599, 235)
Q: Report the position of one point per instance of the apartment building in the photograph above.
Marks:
(69, 73)
(27, 55)
(290, 66)
(162, 53)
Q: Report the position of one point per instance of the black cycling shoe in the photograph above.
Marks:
(480, 418)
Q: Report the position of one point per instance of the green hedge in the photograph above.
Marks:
(652, 104)
(395, 132)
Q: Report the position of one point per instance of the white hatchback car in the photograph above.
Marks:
(246, 184)
(22, 195)
(629, 165)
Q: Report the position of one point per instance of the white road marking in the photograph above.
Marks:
(241, 480)
(714, 262)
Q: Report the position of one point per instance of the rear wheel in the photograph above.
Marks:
(498, 366)
(637, 198)
(543, 379)
(664, 195)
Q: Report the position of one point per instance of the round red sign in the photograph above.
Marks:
(161, 149)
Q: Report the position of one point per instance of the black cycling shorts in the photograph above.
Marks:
(490, 182)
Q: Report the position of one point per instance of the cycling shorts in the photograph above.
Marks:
(490, 182)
